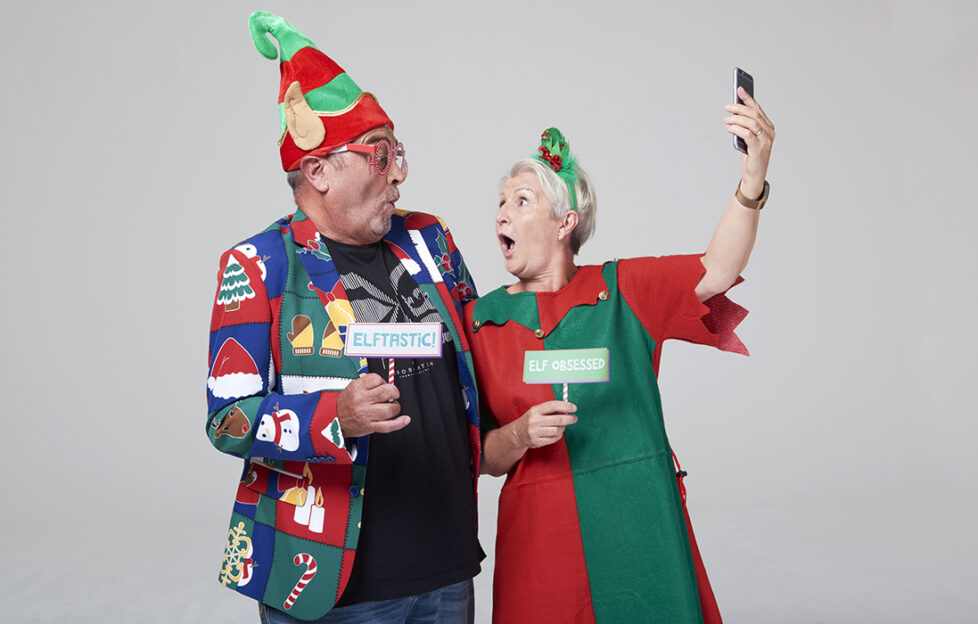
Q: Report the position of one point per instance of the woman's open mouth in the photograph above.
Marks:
(507, 244)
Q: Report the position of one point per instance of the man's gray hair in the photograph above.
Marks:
(296, 179)
(556, 191)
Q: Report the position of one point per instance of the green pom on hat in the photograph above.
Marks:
(290, 39)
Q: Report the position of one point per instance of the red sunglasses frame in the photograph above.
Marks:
(372, 157)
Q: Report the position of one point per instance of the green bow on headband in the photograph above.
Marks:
(554, 152)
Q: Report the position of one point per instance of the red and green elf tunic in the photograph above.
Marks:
(593, 527)
(277, 365)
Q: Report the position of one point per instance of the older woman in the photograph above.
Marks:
(592, 523)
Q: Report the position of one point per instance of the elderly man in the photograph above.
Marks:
(357, 498)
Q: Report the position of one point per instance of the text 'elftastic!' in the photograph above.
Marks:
(395, 340)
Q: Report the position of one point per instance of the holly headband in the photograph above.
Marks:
(555, 153)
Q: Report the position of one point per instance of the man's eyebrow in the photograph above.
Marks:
(378, 137)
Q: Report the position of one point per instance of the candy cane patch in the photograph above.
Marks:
(310, 562)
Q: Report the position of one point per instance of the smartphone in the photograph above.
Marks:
(745, 80)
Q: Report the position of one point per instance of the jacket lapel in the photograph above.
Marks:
(324, 279)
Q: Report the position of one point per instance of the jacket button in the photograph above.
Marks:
(538, 333)
(603, 295)
(355, 491)
(475, 324)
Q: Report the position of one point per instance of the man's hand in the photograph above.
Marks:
(544, 423)
(368, 405)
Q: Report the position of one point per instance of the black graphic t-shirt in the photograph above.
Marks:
(418, 531)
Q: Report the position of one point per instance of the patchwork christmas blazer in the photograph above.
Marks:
(276, 367)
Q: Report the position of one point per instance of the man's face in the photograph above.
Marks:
(363, 200)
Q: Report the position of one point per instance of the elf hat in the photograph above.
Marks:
(319, 106)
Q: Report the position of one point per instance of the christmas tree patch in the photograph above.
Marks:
(235, 286)
(234, 373)
(334, 434)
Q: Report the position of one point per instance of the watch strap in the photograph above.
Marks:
(754, 204)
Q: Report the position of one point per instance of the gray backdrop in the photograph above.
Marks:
(832, 474)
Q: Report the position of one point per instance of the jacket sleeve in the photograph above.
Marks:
(487, 421)
(463, 286)
(246, 414)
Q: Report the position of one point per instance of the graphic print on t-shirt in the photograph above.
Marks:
(374, 304)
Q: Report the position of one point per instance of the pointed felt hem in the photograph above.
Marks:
(499, 307)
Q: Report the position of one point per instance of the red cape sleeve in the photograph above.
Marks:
(662, 293)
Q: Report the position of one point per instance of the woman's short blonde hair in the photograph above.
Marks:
(556, 191)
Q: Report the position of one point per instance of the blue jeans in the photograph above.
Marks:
(453, 604)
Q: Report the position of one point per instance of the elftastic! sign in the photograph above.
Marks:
(394, 340)
(566, 366)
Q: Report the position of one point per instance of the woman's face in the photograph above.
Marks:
(526, 228)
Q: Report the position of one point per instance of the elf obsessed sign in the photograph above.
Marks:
(565, 366)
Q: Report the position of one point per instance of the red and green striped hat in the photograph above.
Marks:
(319, 106)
